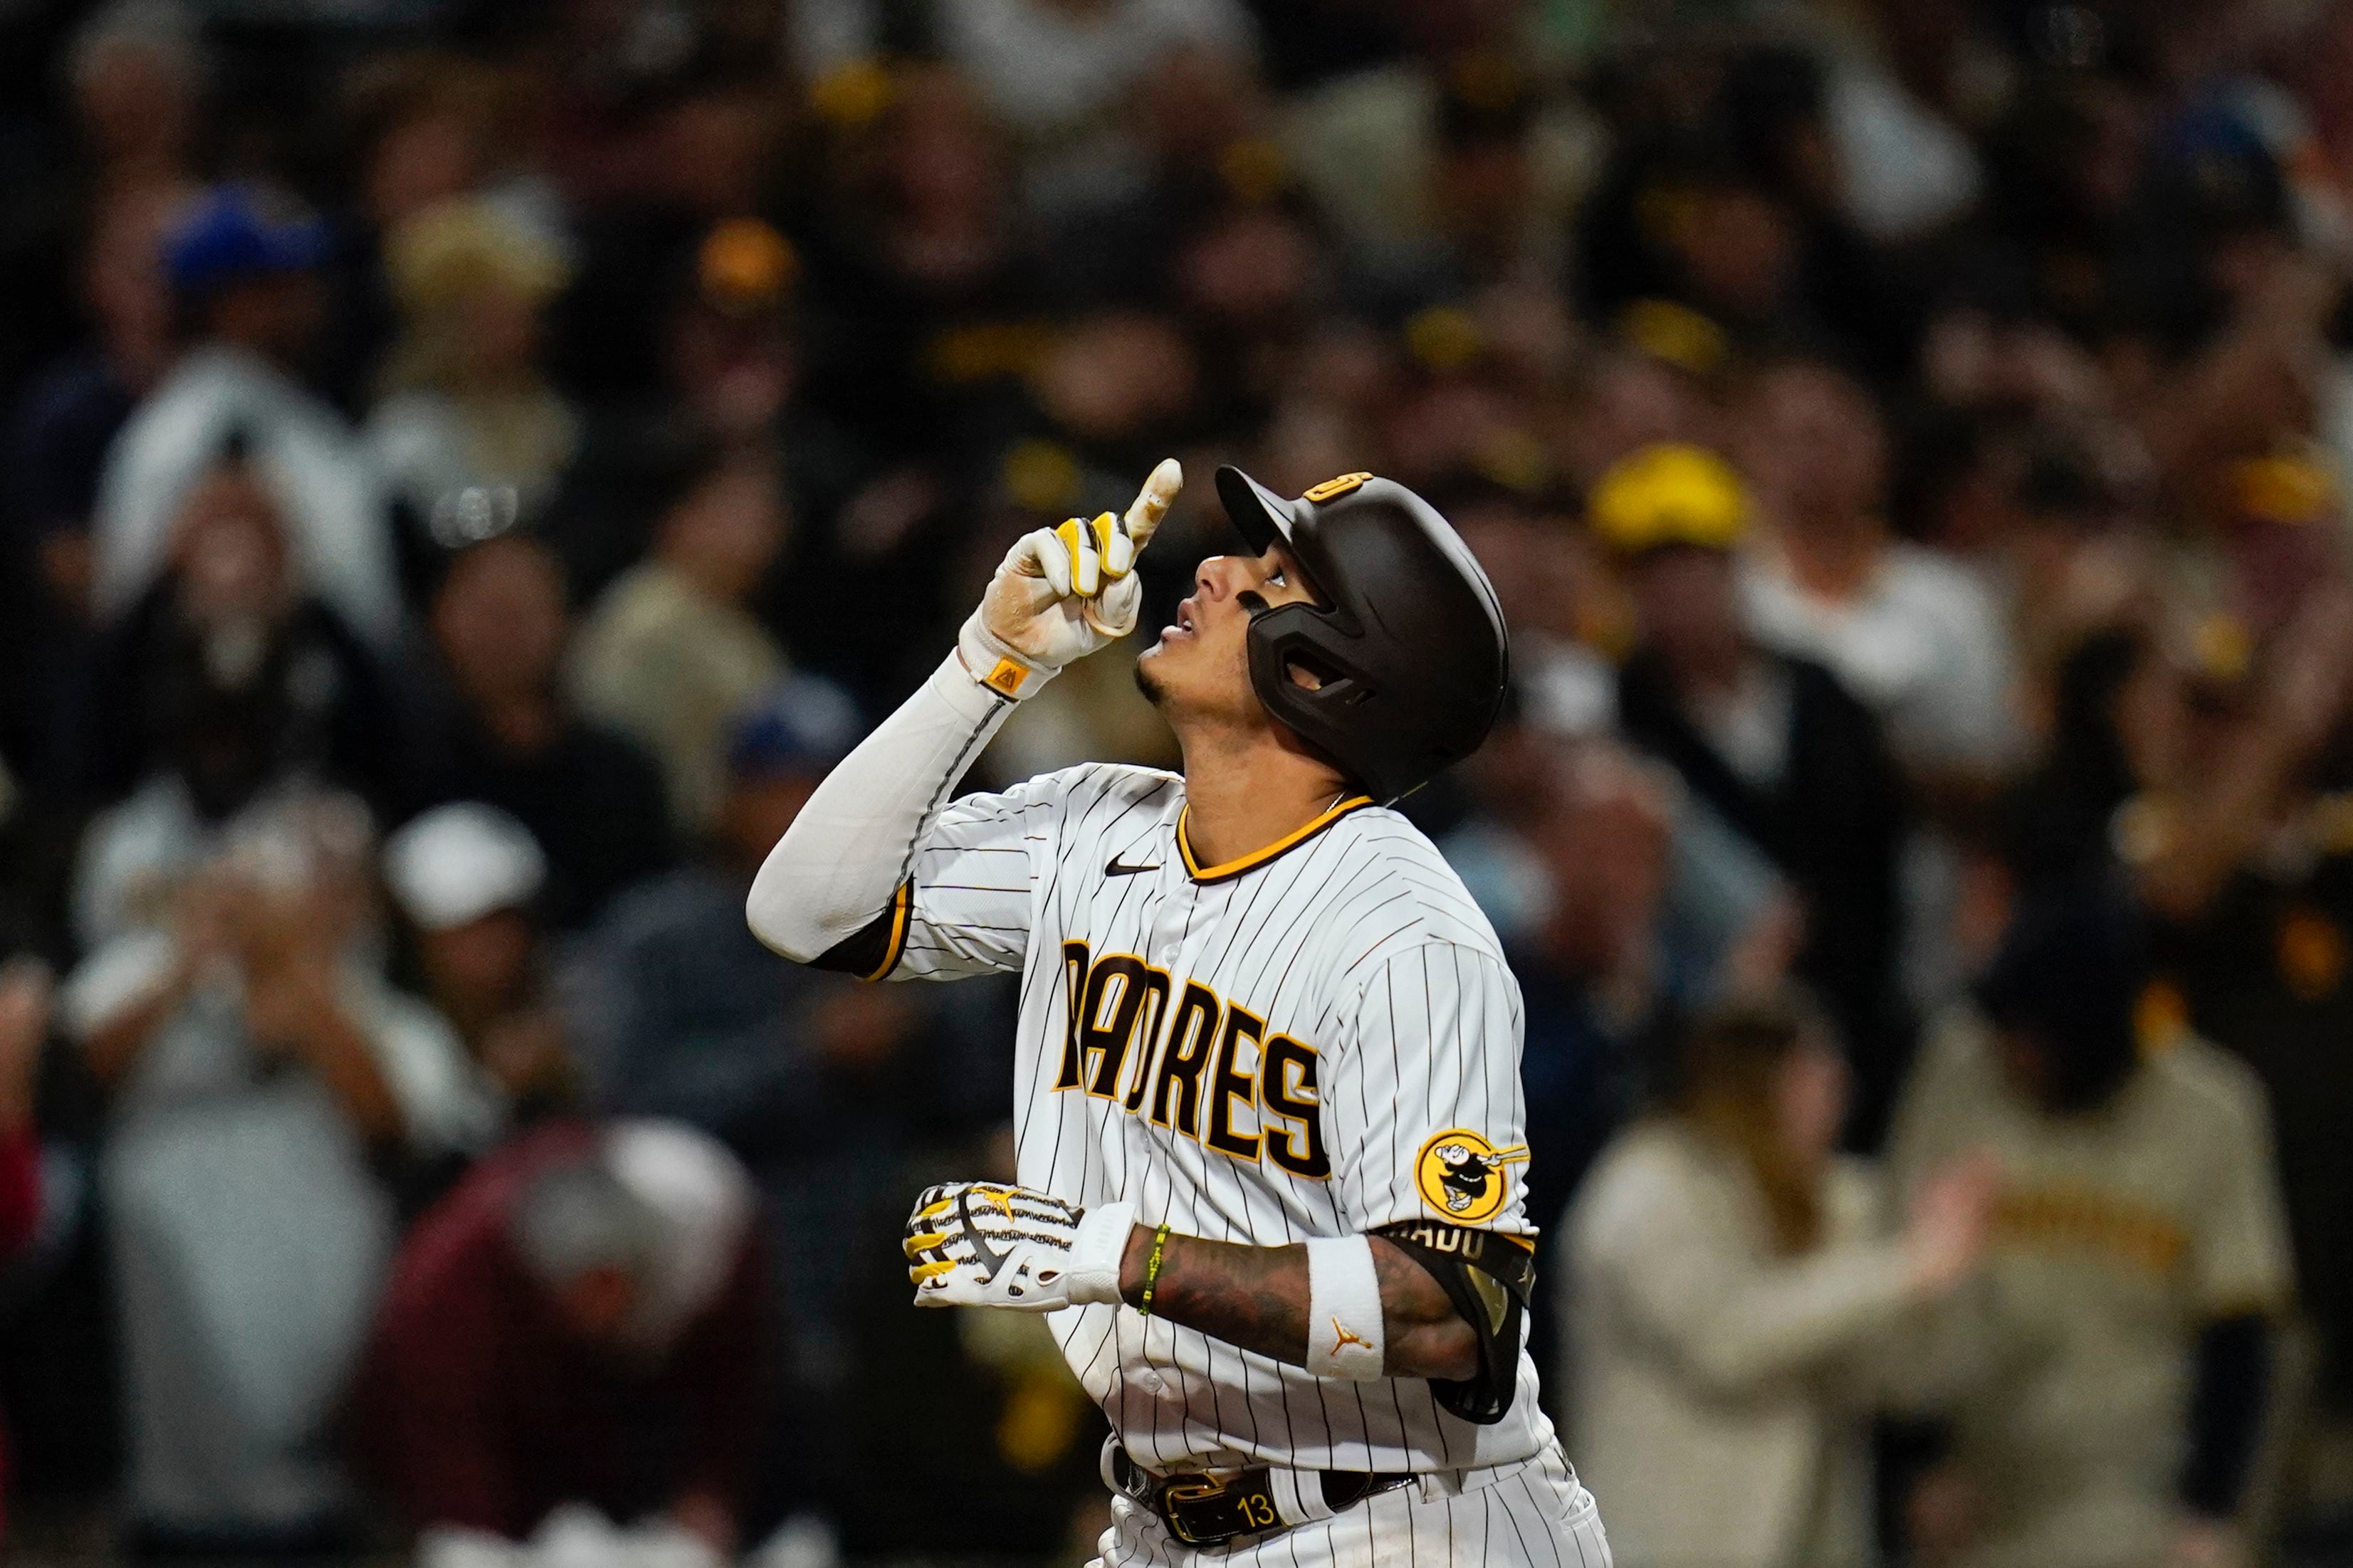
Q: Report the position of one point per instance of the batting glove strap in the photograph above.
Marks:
(1097, 1250)
(993, 662)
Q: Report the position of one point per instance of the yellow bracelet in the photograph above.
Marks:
(1152, 1269)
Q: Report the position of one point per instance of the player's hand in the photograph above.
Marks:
(984, 1244)
(1950, 1214)
(1945, 1512)
(1062, 592)
(2200, 1542)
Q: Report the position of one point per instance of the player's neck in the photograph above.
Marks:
(1239, 798)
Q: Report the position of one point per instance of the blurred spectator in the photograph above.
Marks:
(244, 274)
(922, 265)
(59, 435)
(2109, 1383)
(2140, 773)
(1446, 177)
(424, 128)
(731, 355)
(229, 668)
(262, 1074)
(1590, 970)
(592, 801)
(1898, 109)
(1911, 634)
(74, 408)
(139, 73)
(569, 1355)
(686, 1015)
(1732, 1304)
(226, 698)
(470, 434)
(671, 649)
(467, 878)
(1727, 203)
(661, 1047)
(1772, 747)
(720, 366)
(1650, 383)
(24, 1030)
(1065, 77)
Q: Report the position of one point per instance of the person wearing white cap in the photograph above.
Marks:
(466, 877)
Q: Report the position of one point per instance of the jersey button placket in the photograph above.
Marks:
(1172, 911)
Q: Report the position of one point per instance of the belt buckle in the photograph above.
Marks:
(1178, 1496)
(1246, 1493)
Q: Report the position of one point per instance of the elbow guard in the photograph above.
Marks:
(1489, 1277)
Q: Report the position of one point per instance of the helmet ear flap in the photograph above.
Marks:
(1295, 637)
(1306, 668)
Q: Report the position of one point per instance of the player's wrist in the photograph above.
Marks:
(1134, 1259)
(994, 663)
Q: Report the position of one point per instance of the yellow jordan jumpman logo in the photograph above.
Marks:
(1342, 1339)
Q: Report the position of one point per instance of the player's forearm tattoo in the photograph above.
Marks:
(1256, 1298)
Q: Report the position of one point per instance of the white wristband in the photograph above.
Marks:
(1344, 1330)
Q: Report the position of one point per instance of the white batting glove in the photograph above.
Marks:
(983, 1244)
(1062, 592)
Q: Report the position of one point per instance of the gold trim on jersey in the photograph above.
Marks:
(901, 906)
(1257, 857)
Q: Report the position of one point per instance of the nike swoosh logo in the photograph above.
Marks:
(1118, 868)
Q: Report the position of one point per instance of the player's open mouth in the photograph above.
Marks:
(1184, 624)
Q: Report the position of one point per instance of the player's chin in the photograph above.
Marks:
(1148, 674)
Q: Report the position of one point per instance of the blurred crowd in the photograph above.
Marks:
(471, 466)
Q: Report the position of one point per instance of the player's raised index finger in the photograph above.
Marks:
(1152, 501)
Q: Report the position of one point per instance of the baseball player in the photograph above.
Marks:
(1268, 1106)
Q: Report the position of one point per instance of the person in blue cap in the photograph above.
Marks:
(680, 1006)
(243, 269)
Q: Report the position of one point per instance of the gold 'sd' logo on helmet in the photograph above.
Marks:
(1460, 1175)
(1330, 488)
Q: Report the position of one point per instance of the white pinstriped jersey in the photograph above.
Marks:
(1317, 1040)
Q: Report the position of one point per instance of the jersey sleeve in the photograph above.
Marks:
(2239, 1253)
(1425, 1111)
(969, 894)
(964, 907)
